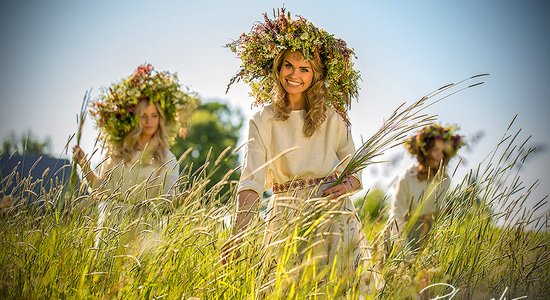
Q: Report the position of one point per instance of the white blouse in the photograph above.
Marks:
(278, 151)
(135, 180)
(410, 194)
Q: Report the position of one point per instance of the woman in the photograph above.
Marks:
(143, 167)
(419, 192)
(138, 118)
(299, 143)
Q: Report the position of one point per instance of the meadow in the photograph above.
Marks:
(488, 244)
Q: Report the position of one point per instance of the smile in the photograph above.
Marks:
(293, 83)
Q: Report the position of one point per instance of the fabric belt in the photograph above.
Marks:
(301, 183)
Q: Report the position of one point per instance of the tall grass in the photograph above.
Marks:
(489, 243)
(169, 247)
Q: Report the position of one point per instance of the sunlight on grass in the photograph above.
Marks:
(169, 247)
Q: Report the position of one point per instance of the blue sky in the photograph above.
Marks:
(53, 51)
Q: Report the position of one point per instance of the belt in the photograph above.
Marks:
(301, 183)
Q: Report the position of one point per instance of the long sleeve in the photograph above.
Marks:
(170, 173)
(135, 180)
(346, 149)
(253, 176)
(96, 181)
(401, 201)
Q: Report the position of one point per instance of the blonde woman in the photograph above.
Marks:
(138, 118)
(299, 143)
(143, 166)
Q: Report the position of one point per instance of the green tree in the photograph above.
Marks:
(371, 205)
(26, 143)
(215, 126)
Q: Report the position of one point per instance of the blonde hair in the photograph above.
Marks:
(157, 146)
(315, 95)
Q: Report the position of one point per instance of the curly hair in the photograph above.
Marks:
(421, 144)
(315, 106)
(266, 40)
(157, 146)
(423, 156)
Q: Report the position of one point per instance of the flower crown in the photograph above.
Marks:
(258, 49)
(420, 142)
(114, 108)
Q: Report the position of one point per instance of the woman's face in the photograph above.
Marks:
(436, 154)
(150, 120)
(296, 73)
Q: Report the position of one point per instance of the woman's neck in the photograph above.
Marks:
(296, 101)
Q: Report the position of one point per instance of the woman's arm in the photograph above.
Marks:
(400, 203)
(349, 185)
(253, 178)
(251, 184)
(80, 157)
(247, 207)
(344, 152)
(170, 174)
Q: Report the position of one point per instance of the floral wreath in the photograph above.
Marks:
(113, 110)
(420, 142)
(258, 49)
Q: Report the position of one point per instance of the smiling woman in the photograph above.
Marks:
(297, 145)
(295, 75)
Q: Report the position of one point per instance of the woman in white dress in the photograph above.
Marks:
(298, 144)
(137, 117)
(419, 192)
(144, 168)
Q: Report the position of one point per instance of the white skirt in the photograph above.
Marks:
(328, 233)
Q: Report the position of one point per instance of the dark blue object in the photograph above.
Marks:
(26, 177)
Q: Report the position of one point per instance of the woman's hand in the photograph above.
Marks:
(349, 185)
(230, 250)
(78, 155)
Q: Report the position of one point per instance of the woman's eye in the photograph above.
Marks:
(304, 70)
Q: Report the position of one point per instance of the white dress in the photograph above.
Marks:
(132, 193)
(136, 181)
(413, 196)
(340, 234)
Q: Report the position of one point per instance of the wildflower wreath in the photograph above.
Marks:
(258, 49)
(421, 141)
(113, 110)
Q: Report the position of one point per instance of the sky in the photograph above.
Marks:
(53, 51)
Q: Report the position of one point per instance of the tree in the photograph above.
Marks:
(371, 205)
(26, 143)
(214, 127)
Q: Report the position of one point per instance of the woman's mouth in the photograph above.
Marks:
(293, 83)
